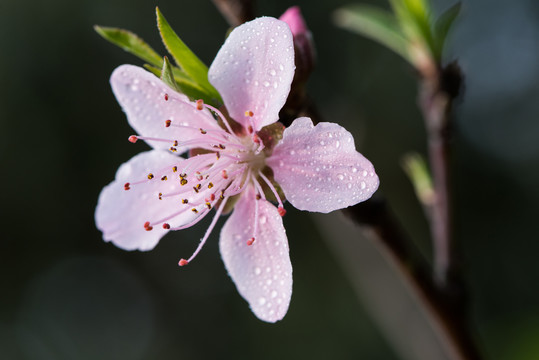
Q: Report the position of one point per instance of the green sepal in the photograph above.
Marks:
(443, 25)
(186, 85)
(129, 42)
(376, 24)
(189, 63)
(167, 76)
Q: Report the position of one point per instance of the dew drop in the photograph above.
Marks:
(363, 185)
(322, 142)
(273, 294)
(272, 72)
(257, 270)
(261, 301)
(354, 170)
(340, 176)
(266, 83)
(337, 144)
(262, 220)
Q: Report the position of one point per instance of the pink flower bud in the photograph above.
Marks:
(303, 43)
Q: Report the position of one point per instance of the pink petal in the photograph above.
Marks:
(254, 69)
(262, 271)
(121, 214)
(319, 169)
(142, 97)
(292, 16)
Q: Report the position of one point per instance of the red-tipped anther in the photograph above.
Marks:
(212, 197)
(133, 139)
(127, 186)
(250, 129)
(256, 139)
(183, 262)
(167, 123)
(225, 174)
(200, 104)
(166, 226)
(281, 211)
(166, 97)
(249, 113)
(147, 226)
(250, 241)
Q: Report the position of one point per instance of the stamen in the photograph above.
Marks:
(210, 228)
(183, 182)
(258, 188)
(147, 226)
(270, 185)
(133, 139)
(200, 104)
(255, 227)
(183, 262)
(127, 186)
(223, 118)
(281, 211)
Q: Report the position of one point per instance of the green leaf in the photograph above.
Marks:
(190, 64)
(130, 43)
(186, 85)
(374, 23)
(443, 25)
(416, 168)
(167, 76)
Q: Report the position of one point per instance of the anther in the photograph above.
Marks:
(212, 197)
(160, 196)
(147, 226)
(185, 201)
(249, 113)
(173, 149)
(250, 241)
(166, 226)
(167, 123)
(166, 97)
(250, 129)
(221, 146)
(224, 174)
(164, 178)
(203, 132)
(183, 262)
(127, 186)
(174, 168)
(200, 104)
(194, 210)
(183, 175)
(199, 176)
(258, 197)
(210, 185)
(175, 143)
(208, 205)
(281, 211)
(222, 196)
(183, 182)
(218, 154)
(150, 176)
(133, 139)
(256, 139)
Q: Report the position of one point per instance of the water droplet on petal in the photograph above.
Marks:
(363, 185)
(273, 294)
(340, 176)
(261, 301)
(262, 219)
(257, 270)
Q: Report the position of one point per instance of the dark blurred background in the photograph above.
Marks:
(65, 294)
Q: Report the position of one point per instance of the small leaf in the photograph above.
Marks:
(376, 24)
(167, 76)
(443, 25)
(130, 43)
(190, 64)
(186, 85)
(416, 168)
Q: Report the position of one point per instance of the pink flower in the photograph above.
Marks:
(317, 167)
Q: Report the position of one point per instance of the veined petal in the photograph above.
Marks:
(262, 271)
(121, 214)
(319, 169)
(149, 103)
(254, 69)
